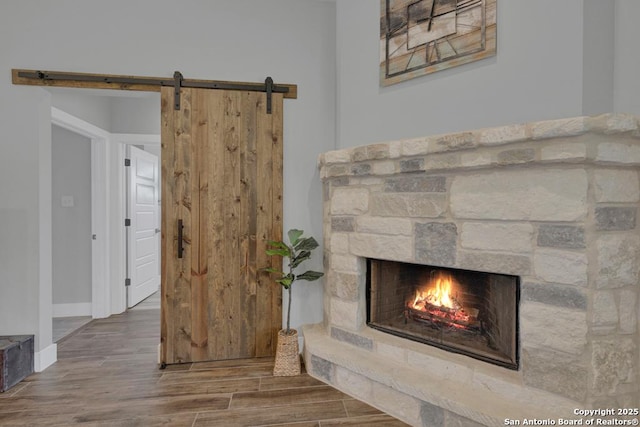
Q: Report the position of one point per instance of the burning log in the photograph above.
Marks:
(465, 317)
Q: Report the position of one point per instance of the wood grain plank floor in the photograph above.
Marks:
(107, 375)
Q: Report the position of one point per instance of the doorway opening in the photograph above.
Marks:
(106, 235)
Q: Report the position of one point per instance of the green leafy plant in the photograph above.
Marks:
(298, 250)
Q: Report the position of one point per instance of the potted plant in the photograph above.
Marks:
(298, 250)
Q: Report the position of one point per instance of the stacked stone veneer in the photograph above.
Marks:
(553, 202)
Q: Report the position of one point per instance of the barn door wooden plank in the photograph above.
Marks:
(199, 260)
(177, 206)
(269, 220)
(231, 196)
(248, 182)
(167, 242)
(264, 220)
(214, 224)
(277, 155)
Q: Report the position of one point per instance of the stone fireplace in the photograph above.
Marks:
(551, 204)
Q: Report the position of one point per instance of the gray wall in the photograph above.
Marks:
(292, 41)
(71, 170)
(598, 57)
(90, 105)
(114, 111)
(136, 114)
(627, 59)
(555, 59)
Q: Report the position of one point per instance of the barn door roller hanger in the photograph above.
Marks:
(103, 81)
(268, 87)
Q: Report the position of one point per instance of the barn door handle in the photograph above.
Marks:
(180, 248)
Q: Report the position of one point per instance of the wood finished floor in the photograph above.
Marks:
(107, 375)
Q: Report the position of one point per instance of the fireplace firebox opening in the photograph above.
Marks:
(469, 312)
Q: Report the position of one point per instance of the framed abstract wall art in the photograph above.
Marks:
(419, 37)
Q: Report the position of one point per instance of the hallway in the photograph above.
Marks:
(107, 375)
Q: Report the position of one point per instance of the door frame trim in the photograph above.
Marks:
(100, 274)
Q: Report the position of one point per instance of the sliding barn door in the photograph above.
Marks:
(221, 203)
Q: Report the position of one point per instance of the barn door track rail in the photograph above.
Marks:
(148, 84)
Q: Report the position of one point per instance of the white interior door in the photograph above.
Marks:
(143, 233)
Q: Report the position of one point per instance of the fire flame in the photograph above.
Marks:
(438, 292)
(438, 301)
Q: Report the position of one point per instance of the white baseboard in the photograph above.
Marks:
(44, 358)
(72, 310)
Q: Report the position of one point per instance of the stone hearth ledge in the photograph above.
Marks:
(335, 163)
(486, 394)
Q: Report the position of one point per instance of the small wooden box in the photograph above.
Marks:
(16, 359)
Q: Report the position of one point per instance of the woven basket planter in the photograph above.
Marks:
(287, 355)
